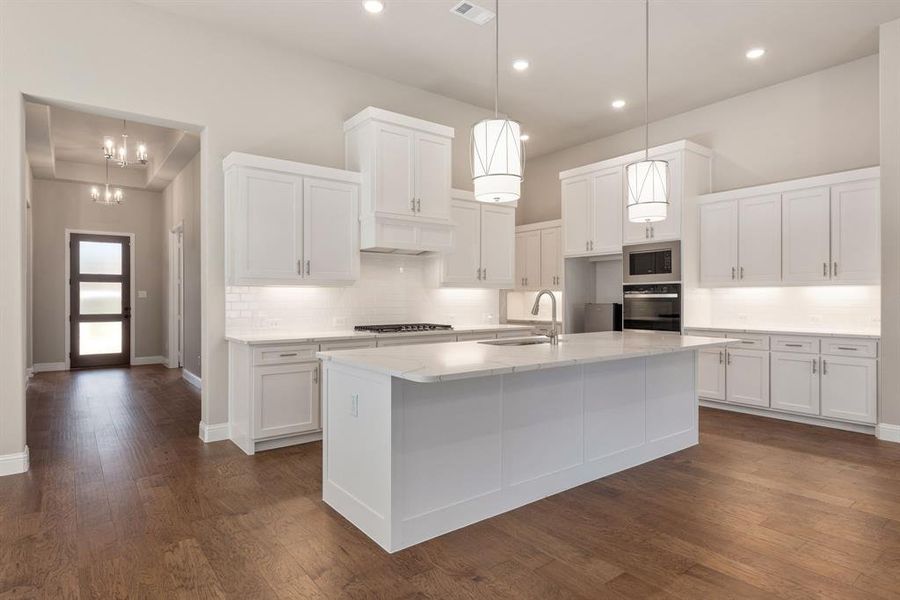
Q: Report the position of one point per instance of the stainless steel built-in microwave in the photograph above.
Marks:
(659, 262)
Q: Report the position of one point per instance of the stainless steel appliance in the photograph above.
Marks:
(656, 307)
(403, 327)
(602, 317)
(659, 262)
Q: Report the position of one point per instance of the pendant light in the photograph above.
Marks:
(120, 154)
(648, 180)
(108, 197)
(496, 149)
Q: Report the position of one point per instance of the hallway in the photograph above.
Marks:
(124, 501)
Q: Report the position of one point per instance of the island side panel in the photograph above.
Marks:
(356, 451)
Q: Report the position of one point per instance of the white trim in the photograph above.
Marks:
(46, 367)
(539, 226)
(793, 184)
(12, 464)
(887, 432)
(214, 433)
(242, 159)
(372, 113)
(148, 360)
(134, 309)
(805, 419)
(192, 379)
(176, 333)
(618, 161)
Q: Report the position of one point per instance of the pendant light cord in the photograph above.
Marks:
(646, 79)
(497, 61)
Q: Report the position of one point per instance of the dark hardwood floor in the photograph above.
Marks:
(124, 501)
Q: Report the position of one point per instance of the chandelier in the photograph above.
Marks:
(120, 154)
(108, 197)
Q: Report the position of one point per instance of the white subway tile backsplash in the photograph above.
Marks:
(391, 288)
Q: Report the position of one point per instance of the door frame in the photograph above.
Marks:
(176, 297)
(67, 323)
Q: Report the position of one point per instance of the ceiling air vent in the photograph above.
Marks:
(472, 12)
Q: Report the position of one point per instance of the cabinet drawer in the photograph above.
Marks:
(424, 339)
(348, 345)
(273, 355)
(795, 343)
(850, 347)
(474, 337)
(750, 341)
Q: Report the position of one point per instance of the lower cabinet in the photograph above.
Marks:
(795, 382)
(711, 374)
(285, 399)
(849, 388)
(747, 377)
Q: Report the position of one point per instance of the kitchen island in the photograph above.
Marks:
(423, 440)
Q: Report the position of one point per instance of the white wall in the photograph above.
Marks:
(820, 123)
(246, 96)
(391, 289)
(61, 205)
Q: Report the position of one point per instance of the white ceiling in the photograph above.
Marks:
(583, 53)
(67, 144)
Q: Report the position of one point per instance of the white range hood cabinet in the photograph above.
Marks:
(405, 164)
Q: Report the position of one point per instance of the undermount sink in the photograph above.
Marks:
(517, 341)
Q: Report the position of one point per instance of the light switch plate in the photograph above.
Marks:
(142, 293)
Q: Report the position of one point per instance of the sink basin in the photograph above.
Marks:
(517, 341)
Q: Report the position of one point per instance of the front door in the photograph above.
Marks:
(100, 300)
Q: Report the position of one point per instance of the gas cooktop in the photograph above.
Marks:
(402, 327)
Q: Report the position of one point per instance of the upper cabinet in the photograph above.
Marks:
(539, 256)
(805, 232)
(594, 200)
(290, 223)
(482, 253)
(405, 164)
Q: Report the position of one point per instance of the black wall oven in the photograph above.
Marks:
(655, 307)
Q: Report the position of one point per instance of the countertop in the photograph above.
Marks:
(271, 336)
(448, 361)
(874, 333)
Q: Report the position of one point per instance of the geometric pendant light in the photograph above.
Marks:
(498, 159)
(648, 180)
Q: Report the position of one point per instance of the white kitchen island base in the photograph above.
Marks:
(407, 461)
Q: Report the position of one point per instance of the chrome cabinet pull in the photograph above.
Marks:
(592, 244)
(418, 205)
(835, 269)
(478, 273)
(742, 272)
(794, 345)
(847, 348)
(720, 357)
(732, 273)
(307, 267)
(652, 232)
(316, 375)
(728, 356)
(748, 341)
(586, 245)
(824, 367)
(299, 267)
(814, 361)
(412, 204)
(824, 269)
(484, 273)
(646, 233)
(286, 354)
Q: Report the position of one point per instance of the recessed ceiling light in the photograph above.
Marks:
(618, 104)
(524, 137)
(754, 53)
(520, 64)
(373, 6)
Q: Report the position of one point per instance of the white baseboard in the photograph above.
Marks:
(149, 360)
(888, 432)
(794, 418)
(45, 367)
(213, 433)
(191, 378)
(11, 464)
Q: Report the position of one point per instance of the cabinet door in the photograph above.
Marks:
(576, 213)
(711, 374)
(760, 240)
(498, 235)
(432, 160)
(718, 243)
(551, 258)
(528, 259)
(461, 263)
(606, 213)
(670, 228)
(805, 225)
(856, 232)
(795, 382)
(268, 227)
(849, 388)
(285, 399)
(394, 176)
(330, 230)
(747, 377)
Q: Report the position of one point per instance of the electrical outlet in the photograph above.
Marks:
(354, 405)
(339, 322)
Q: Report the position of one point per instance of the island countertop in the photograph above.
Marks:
(459, 360)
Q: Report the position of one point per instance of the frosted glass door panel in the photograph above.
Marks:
(100, 298)
(100, 338)
(100, 258)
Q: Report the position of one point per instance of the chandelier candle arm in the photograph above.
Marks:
(648, 180)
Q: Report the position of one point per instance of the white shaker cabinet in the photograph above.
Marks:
(577, 197)
(528, 259)
(432, 175)
(551, 258)
(286, 399)
(394, 176)
(606, 211)
(806, 235)
(856, 232)
(483, 249)
(670, 227)
(290, 223)
(719, 243)
(849, 388)
(759, 235)
(711, 374)
(747, 377)
(795, 382)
